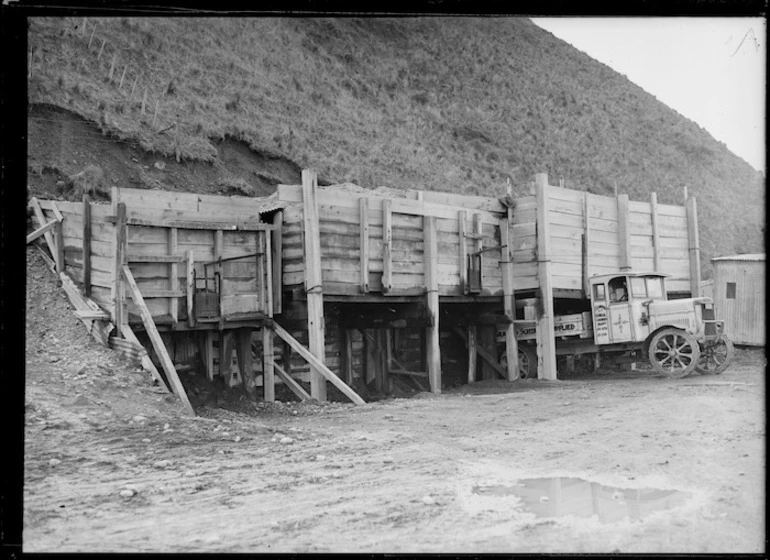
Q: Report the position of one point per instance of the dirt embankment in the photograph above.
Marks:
(61, 144)
(112, 464)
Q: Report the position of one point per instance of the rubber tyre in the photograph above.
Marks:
(527, 361)
(674, 353)
(715, 357)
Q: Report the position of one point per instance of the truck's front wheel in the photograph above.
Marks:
(674, 353)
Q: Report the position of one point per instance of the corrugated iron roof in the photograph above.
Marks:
(754, 257)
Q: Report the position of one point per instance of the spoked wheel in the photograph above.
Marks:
(527, 361)
(674, 353)
(715, 356)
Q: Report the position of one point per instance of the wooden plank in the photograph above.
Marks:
(161, 293)
(157, 342)
(92, 314)
(316, 364)
(57, 212)
(488, 357)
(461, 217)
(313, 280)
(119, 246)
(190, 285)
(546, 348)
(433, 354)
(201, 225)
(586, 254)
(173, 274)
(98, 329)
(38, 212)
(269, 275)
(509, 299)
(40, 231)
(472, 352)
(86, 245)
(693, 245)
(655, 229)
(295, 387)
(387, 246)
(245, 365)
(624, 237)
(58, 236)
(277, 258)
(147, 364)
(144, 258)
(363, 205)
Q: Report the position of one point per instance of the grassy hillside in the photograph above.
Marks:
(438, 104)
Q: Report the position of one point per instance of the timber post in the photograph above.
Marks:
(86, 246)
(509, 301)
(693, 244)
(313, 280)
(624, 237)
(546, 344)
(431, 282)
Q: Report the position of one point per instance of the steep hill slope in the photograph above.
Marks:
(438, 104)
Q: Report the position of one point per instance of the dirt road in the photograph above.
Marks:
(112, 464)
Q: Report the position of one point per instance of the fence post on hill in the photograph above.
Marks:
(546, 344)
(123, 75)
(99, 56)
(112, 65)
(144, 100)
(313, 280)
(91, 38)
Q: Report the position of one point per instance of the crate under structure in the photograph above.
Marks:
(357, 287)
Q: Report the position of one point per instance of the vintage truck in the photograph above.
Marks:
(631, 317)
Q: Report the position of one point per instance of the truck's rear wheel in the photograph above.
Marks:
(674, 353)
(527, 361)
(715, 356)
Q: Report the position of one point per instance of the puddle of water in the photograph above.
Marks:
(559, 496)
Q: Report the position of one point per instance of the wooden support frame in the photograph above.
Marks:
(289, 381)
(472, 353)
(316, 364)
(363, 212)
(147, 364)
(157, 342)
(546, 344)
(313, 281)
(173, 275)
(206, 351)
(58, 235)
(190, 284)
(245, 363)
(98, 329)
(86, 246)
(693, 245)
(268, 364)
(655, 230)
(41, 231)
(277, 248)
(433, 353)
(118, 295)
(624, 237)
(346, 354)
(485, 354)
(387, 246)
(38, 211)
(268, 283)
(586, 260)
(509, 299)
(461, 217)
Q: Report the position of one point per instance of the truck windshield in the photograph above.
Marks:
(638, 287)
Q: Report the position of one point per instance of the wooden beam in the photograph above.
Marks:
(98, 329)
(461, 216)
(42, 221)
(157, 342)
(206, 351)
(58, 236)
(119, 247)
(40, 231)
(277, 248)
(488, 357)
(387, 246)
(60, 217)
(268, 364)
(149, 293)
(694, 245)
(162, 259)
(289, 381)
(186, 224)
(92, 314)
(147, 364)
(316, 364)
(624, 237)
(655, 230)
(268, 256)
(313, 280)
(190, 284)
(509, 298)
(472, 353)
(363, 212)
(430, 259)
(86, 246)
(586, 261)
(173, 274)
(245, 364)
(346, 354)
(546, 345)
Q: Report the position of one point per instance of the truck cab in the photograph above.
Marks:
(620, 305)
